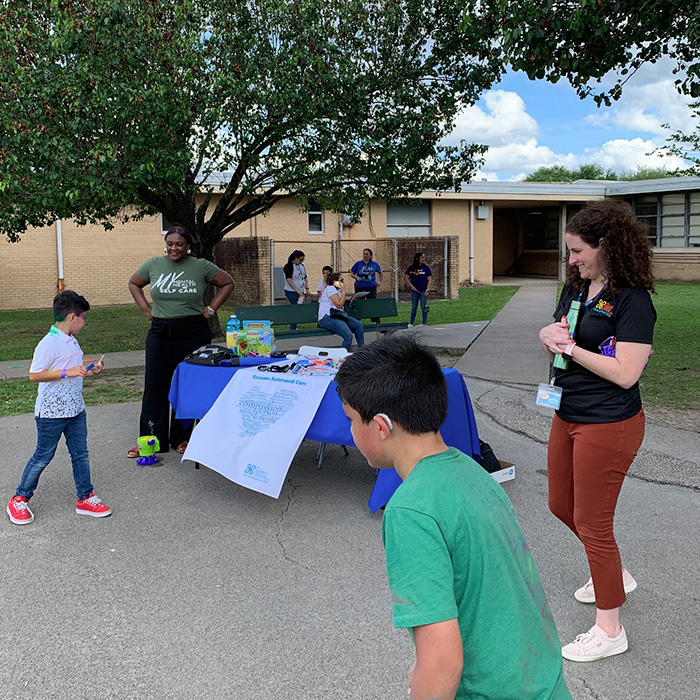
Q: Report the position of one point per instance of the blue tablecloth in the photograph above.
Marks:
(194, 390)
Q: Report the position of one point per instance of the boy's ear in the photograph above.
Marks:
(384, 424)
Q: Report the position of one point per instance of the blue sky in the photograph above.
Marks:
(528, 124)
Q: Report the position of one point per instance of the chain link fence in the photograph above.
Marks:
(394, 256)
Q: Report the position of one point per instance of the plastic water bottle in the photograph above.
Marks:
(233, 328)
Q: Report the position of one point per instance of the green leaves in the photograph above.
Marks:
(118, 103)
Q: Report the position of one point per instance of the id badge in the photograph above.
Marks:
(548, 396)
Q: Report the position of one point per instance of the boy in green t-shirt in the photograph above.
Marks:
(461, 575)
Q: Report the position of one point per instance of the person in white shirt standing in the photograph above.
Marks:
(296, 284)
(60, 409)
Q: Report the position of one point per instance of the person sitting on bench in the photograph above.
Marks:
(332, 316)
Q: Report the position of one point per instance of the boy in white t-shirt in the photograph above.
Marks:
(60, 409)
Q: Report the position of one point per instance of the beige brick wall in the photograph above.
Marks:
(28, 270)
(96, 263)
(677, 265)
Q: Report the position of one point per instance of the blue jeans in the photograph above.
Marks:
(49, 431)
(293, 299)
(344, 330)
(415, 298)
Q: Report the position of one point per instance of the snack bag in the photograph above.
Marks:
(232, 340)
(242, 343)
(259, 343)
(256, 325)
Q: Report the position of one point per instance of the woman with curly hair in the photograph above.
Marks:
(599, 425)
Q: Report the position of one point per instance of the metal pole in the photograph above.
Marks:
(446, 268)
(562, 243)
(471, 241)
(61, 284)
(333, 253)
(272, 272)
(396, 270)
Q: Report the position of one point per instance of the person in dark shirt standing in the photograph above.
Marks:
(599, 425)
(419, 275)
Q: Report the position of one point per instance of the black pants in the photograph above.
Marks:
(372, 295)
(167, 343)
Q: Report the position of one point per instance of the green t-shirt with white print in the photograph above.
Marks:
(177, 288)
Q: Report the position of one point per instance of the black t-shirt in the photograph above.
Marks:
(628, 316)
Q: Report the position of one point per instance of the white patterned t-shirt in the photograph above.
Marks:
(62, 398)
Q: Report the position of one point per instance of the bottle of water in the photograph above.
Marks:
(233, 329)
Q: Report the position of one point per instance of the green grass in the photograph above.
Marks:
(116, 386)
(672, 378)
(474, 304)
(108, 329)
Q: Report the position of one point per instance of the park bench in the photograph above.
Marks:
(286, 314)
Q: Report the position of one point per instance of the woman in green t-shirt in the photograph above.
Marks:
(179, 325)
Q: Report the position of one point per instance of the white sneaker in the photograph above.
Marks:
(410, 325)
(594, 645)
(586, 594)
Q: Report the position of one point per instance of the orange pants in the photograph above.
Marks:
(586, 465)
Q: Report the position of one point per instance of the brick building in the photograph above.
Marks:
(491, 228)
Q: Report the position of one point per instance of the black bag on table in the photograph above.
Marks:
(488, 460)
(211, 356)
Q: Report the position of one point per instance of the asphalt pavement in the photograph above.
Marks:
(198, 588)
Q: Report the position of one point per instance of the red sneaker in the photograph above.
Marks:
(92, 505)
(18, 510)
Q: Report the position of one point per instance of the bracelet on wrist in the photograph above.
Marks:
(568, 351)
(64, 373)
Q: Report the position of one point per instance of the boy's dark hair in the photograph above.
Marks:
(69, 302)
(326, 268)
(397, 376)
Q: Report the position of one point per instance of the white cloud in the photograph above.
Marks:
(649, 99)
(517, 145)
(628, 154)
(505, 121)
(525, 156)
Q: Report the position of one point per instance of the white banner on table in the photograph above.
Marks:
(252, 432)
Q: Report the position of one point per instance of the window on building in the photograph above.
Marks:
(164, 224)
(694, 220)
(315, 217)
(646, 209)
(542, 229)
(673, 219)
(408, 220)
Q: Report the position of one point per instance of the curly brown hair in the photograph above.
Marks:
(625, 252)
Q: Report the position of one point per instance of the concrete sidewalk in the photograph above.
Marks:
(197, 588)
(453, 336)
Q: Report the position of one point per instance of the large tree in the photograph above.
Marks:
(582, 40)
(121, 108)
(117, 108)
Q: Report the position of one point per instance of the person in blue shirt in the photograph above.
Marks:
(367, 275)
(419, 276)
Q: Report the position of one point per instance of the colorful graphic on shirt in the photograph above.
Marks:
(604, 307)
